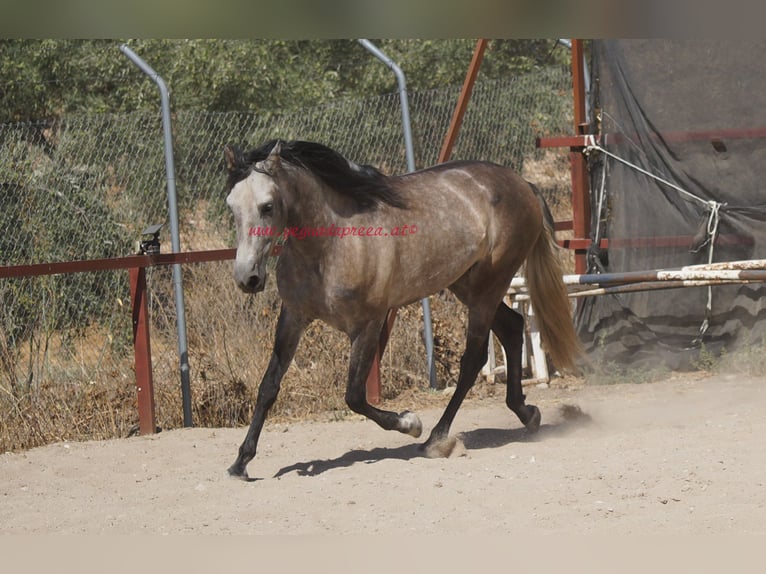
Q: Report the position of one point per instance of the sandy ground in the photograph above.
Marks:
(683, 456)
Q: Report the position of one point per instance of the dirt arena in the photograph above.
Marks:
(685, 455)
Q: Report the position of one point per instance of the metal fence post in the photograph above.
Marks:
(427, 326)
(183, 351)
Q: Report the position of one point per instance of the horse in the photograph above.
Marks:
(470, 227)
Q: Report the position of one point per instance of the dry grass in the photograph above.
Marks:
(230, 337)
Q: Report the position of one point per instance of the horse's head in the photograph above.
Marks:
(260, 214)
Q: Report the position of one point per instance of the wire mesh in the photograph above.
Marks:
(85, 186)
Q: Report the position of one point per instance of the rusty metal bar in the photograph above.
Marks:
(129, 262)
(646, 242)
(579, 172)
(653, 286)
(147, 420)
(727, 265)
(581, 141)
(462, 102)
(651, 242)
(579, 244)
(136, 266)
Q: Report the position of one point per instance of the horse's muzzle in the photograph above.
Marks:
(253, 284)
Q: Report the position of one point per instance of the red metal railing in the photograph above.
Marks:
(136, 266)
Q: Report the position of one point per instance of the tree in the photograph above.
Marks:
(42, 79)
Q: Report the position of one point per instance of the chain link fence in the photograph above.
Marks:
(85, 186)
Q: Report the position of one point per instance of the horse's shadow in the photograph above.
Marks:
(315, 467)
(477, 439)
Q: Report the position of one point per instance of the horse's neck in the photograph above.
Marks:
(312, 204)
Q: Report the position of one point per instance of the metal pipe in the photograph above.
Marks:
(409, 150)
(183, 351)
(718, 272)
(642, 286)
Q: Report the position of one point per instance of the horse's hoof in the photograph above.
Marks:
(440, 448)
(237, 472)
(409, 423)
(533, 421)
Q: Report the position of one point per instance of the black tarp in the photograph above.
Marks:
(694, 114)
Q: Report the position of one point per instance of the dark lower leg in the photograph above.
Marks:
(267, 395)
(286, 342)
(474, 357)
(508, 325)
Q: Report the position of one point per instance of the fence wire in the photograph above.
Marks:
(85, 186)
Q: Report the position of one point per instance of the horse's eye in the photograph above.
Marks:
(266, 209)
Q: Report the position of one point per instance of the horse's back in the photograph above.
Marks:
(472, 180)
(478, 197)
(466, 213)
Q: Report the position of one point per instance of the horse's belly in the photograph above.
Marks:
(428, 269)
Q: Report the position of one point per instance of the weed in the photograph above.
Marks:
(706, 360)
(605, 372)
(748, 359)
(609, 373)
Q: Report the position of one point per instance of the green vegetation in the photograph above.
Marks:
(49, 78)
(749, 358)
(604, 372)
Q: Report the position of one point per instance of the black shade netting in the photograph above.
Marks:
(692, 113)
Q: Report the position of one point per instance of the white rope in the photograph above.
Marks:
(592, 145)
(712, 230)
(601, 194)
(712, 226)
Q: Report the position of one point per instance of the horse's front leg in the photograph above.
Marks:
(363, 347)
(288, 334)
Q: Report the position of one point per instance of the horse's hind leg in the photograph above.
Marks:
(364, 344)
(508, 325)
(288, 334)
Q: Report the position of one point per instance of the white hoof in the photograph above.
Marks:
(409, 423)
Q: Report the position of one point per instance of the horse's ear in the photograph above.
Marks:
(274, 161)
(231, 156)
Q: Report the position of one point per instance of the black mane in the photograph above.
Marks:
(367, 186)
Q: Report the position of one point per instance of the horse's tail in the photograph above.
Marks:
(548, 294)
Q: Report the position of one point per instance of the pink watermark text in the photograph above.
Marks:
(301, 232)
